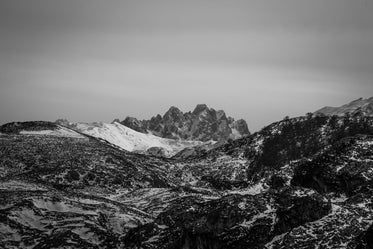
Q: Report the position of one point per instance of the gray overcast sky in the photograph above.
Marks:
(93, 60)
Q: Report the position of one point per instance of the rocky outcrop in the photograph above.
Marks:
(156, 151)
(233, 221)
(134, 124)
(345, 168)
(202, 124)
(296, 207)
(241, 126)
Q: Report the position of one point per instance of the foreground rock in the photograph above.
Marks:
(233, 221)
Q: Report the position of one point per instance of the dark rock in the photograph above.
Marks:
(194, 223)
(202, 124)
(297, 207)
(233, 221)
(156, 151)
(200, 108)
(336, 169)
(277, 182)
(173, 115)
(365, 240)
(134, 124)
(241, 126)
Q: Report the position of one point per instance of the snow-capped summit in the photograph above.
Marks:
(362, 106)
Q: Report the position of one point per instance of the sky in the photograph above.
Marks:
(260, 60)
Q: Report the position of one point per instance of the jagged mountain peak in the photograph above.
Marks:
(203, 124)
(220, 114)
(200, 108)
(134, 124)
(173, 109)
(173, 114)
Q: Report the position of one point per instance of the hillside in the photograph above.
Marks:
(297, 183)
(357, 107)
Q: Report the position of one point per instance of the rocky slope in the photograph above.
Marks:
(298, 183)
(203, 124)
(360, 106)
(59, 190)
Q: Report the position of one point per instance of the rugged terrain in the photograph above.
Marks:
(304, 182)
(203, 124)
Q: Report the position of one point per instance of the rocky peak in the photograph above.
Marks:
(241, 126)
(157, 118)
(220, 114)
(173, 114)
(203, 124)
(134, 124)
(200, 108)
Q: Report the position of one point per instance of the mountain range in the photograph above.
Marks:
(167, 135)
(203, 124)
(303, 182)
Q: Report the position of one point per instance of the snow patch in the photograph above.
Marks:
(60, 206)
(132, 140)
(253, 190)
(269, 212)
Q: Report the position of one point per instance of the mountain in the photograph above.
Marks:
(131, 140)
(203, 124)
(304, 182)
(295, 184)
(58, 190)
(359, 106)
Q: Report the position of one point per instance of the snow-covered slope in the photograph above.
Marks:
(132, 140)
(365, 106)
